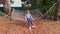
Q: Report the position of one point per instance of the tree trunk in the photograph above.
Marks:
(7, 7)
(56, 11)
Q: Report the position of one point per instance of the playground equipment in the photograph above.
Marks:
(20, 15)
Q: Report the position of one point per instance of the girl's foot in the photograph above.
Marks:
(33, 26)
(30, 28)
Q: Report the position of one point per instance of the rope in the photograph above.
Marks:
(49, 10)
(21, 15)
(4, 16)
(40, 13)
(46, 12)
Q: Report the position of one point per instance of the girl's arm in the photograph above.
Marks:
(25, 18)
(32, 18)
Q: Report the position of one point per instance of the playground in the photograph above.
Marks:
(19, 26)
(43, 26)
(13, 21)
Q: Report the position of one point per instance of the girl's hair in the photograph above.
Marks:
(27, 11)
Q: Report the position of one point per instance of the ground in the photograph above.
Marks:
(43, 26)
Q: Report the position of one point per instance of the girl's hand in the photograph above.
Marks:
(25, 18)
(32, 18)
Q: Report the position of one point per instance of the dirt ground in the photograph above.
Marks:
(43, 26)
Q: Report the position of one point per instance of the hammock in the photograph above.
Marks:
(20, 15)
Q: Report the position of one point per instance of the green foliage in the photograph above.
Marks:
(44, 6)
(11, 1)
(51, 13)
(1, 13)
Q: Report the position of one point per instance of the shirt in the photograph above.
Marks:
(28, 16)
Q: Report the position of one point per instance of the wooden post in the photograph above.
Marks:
(56, 10)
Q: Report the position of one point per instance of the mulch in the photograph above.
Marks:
(43, 26)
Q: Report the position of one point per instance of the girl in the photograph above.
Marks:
(29, 18)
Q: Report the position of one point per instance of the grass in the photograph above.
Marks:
(1, 13)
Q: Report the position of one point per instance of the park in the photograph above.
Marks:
(46, 17)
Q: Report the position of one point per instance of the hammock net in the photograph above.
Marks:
(20, 15)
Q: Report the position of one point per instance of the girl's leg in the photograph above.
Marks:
(32, 24)
(29, 24)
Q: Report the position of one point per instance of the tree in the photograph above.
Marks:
(7, 8)
(56, 10)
